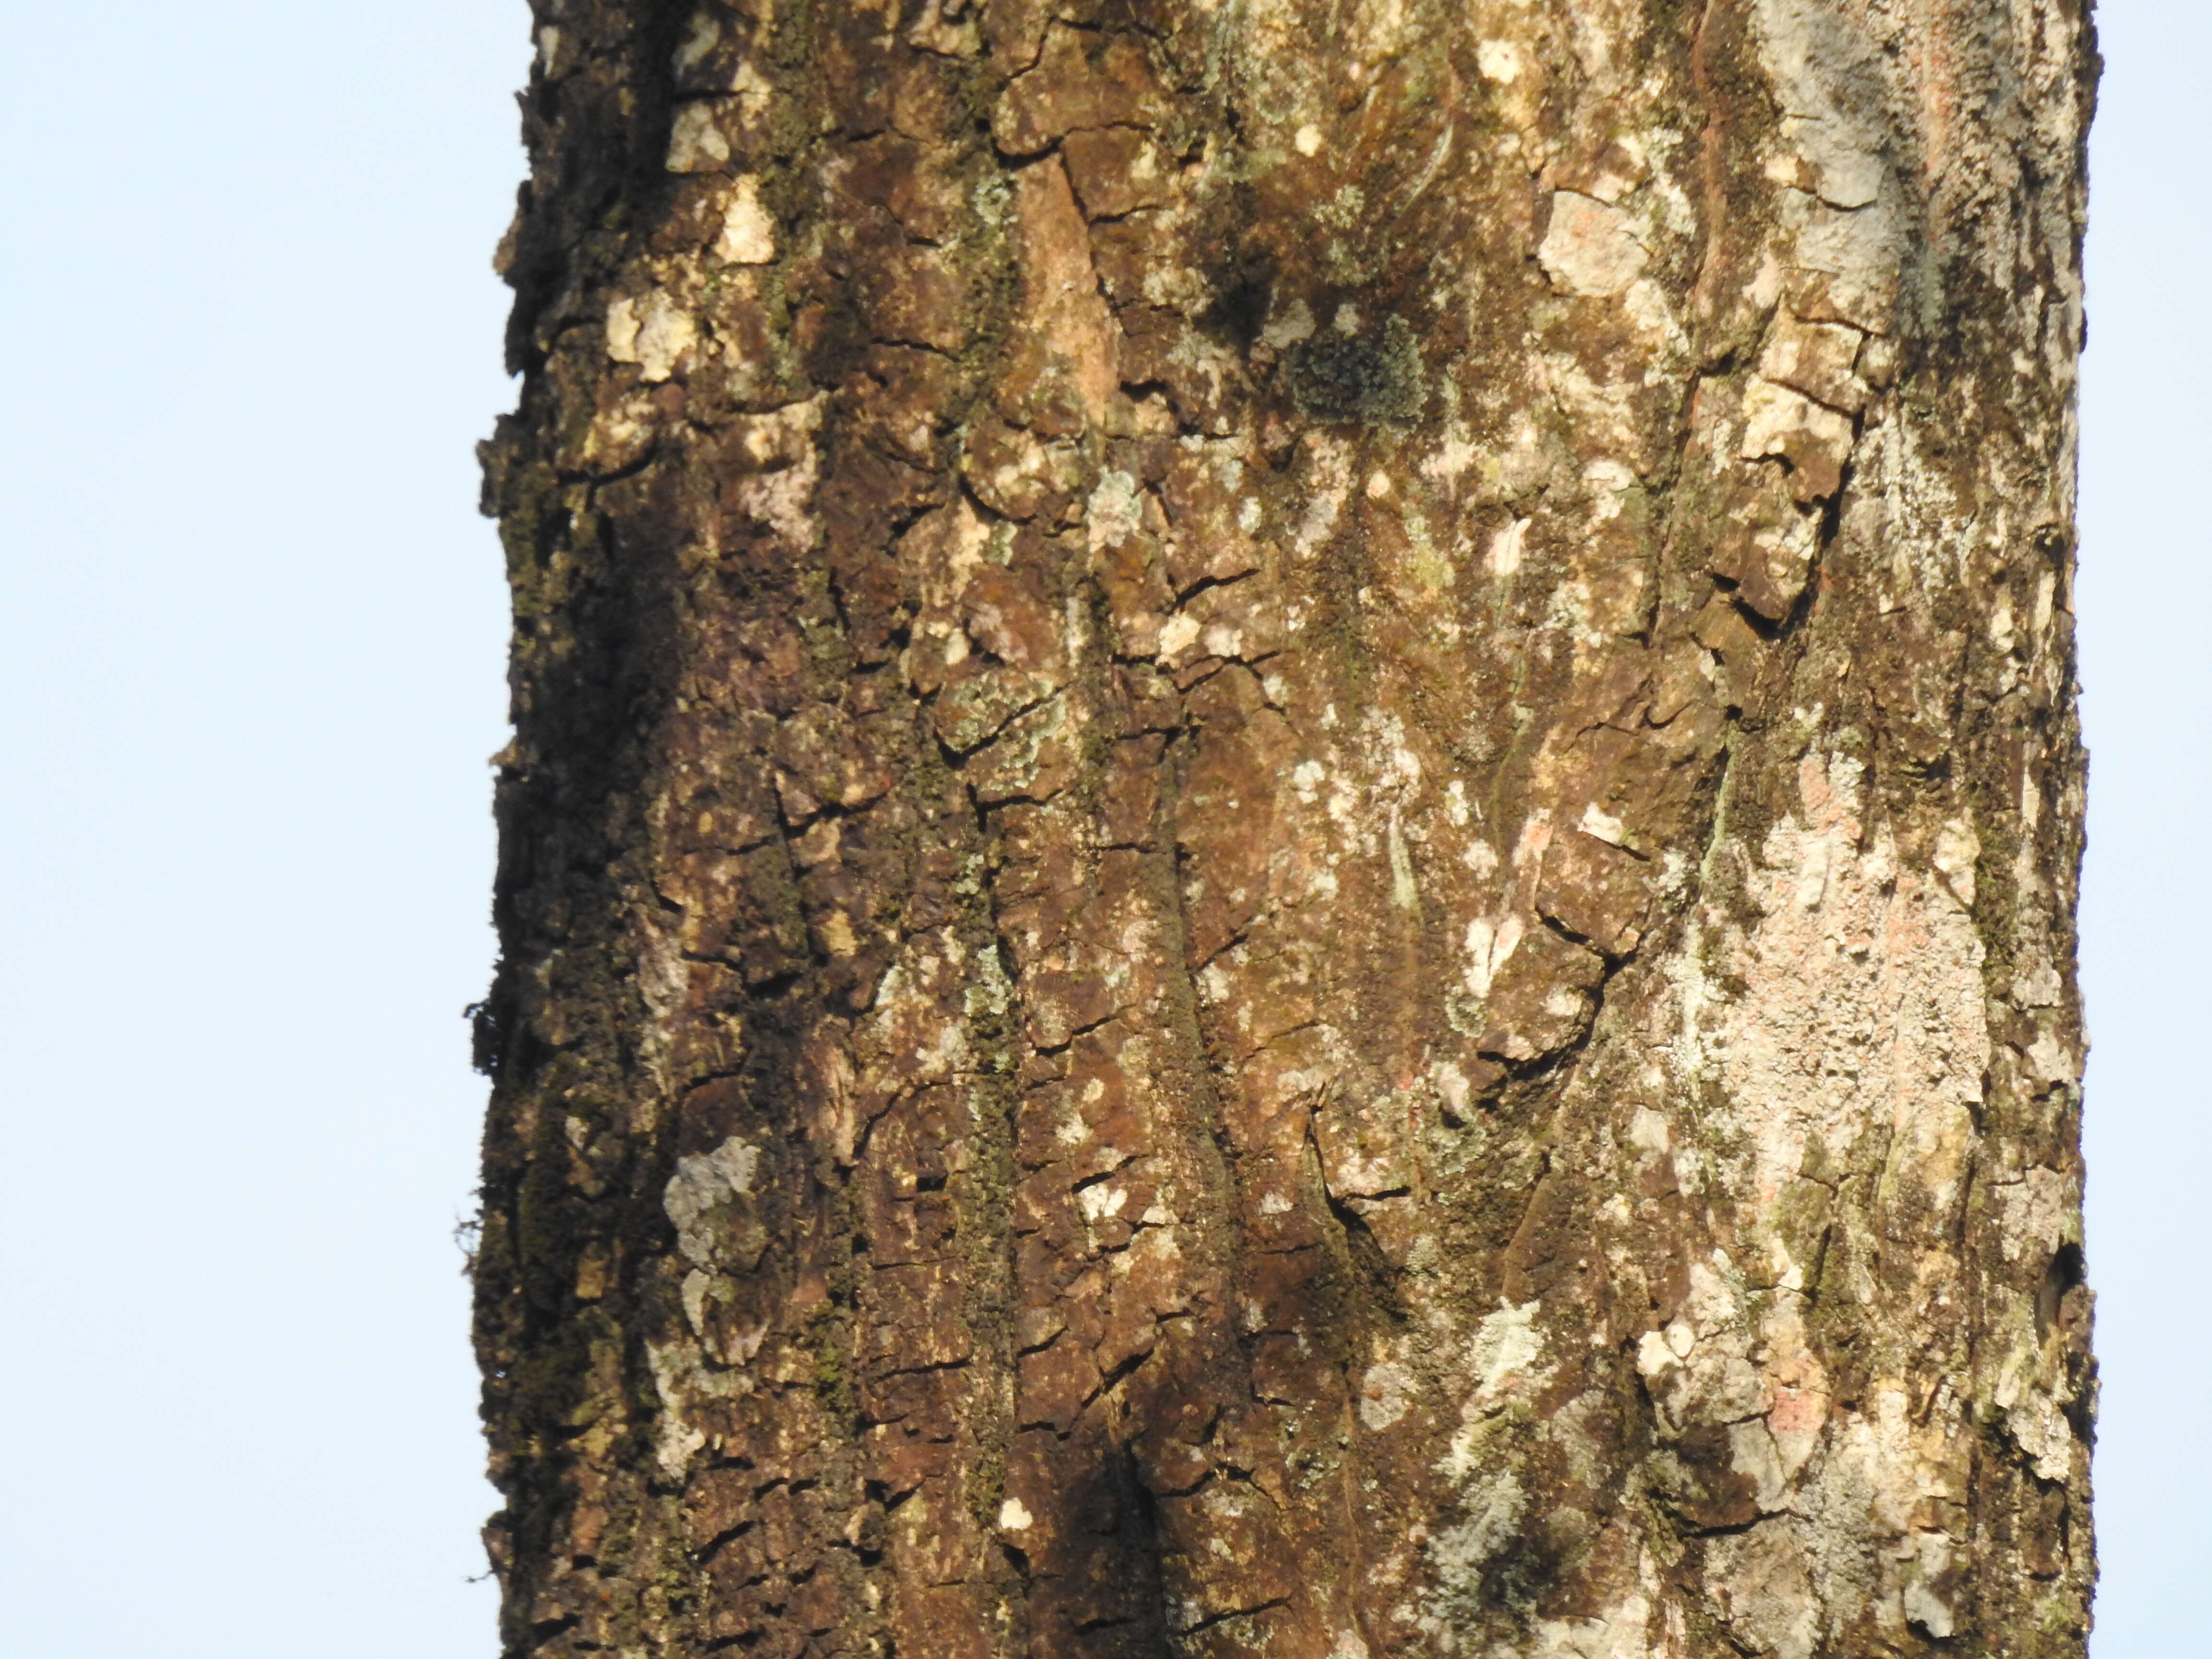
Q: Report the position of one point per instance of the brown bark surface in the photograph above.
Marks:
(1289, 863)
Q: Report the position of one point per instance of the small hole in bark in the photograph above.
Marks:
(2066, 1271)
(1241, 310)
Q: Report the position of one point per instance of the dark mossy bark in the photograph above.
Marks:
(1289, 857)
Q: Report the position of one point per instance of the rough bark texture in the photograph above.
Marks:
(1289, 862)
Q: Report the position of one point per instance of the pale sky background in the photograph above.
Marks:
(251, 658)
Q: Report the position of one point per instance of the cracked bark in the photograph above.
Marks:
(1289, 862)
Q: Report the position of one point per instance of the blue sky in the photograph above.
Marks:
(250, 670)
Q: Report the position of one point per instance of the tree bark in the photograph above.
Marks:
(1289, 857)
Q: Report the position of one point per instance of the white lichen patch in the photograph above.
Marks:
(1178, 634)
(654, 333)
(1619, 1632)
(784, 500)
(1456, 455)
(1102, 1201)
(1812, 55)
(1488, 945)
(2025, 1395)
(1506, 1345)
(1591, 247)
(1784, 424)
(1862, 1005)
(1331, 488)
(696, 143)
(748, 235)
(702, 1182)
(1761, 1584)
(1294, 324)
(1115, 511)
(2038, 1214)
(1919, 1599)
(1498, 61)
(680, 1377)
(1493, 1512)
(1602, 825)
(906, 1031)
(1452, 1085)
(1405, 891)
(704, 35)
(1385, 1392)
(1503, 557)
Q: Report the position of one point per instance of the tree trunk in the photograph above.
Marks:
(1289, 862)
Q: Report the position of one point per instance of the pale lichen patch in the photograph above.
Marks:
(1621, 1632)
(1783, 424)
(1591, 247)
(704, 35)
(1597, 822)
(1493, 1511)
(656, 333)
(1503, 557)
(1488, 945)
(1498, 61)
(748, 235)
(1385, 1393)
(1115, 511)
(1294, 323)
(696, 143)
(1507, 1345)
(703, 1183)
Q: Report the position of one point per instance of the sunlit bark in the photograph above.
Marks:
(1289, 862)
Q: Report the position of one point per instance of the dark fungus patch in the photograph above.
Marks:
(1373, 377)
